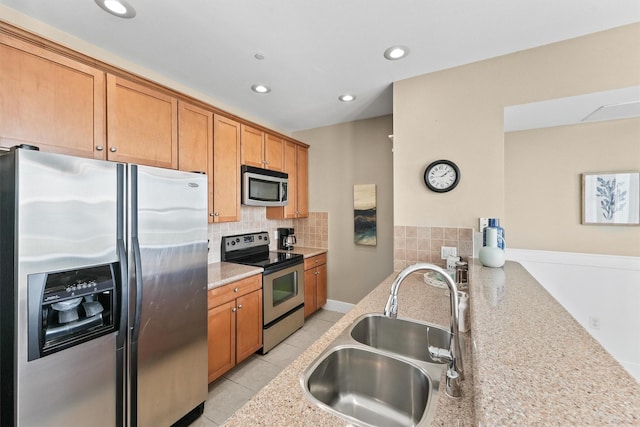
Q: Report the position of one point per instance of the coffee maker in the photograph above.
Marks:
(286, 238)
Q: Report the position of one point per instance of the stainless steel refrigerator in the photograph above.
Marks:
(103, 281)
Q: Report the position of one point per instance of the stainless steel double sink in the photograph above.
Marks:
(378, 372)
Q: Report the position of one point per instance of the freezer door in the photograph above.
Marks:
(66, 218)
(168, 282)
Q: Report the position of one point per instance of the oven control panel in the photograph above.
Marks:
(244, 241)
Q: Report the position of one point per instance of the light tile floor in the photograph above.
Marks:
(228, 393)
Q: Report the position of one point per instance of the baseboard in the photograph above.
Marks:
(339, 306)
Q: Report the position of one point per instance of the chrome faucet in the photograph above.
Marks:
(452, 355)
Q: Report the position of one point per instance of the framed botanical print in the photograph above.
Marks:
(611, 198)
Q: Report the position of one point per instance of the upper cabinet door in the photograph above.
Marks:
(274, 152)
(226, 169)
(195, 138)
(252, 143)
(50, 101)
(302, 181)
(142, 124)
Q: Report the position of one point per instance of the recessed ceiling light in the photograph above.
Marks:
(347, 97)
(260, 88)
(396, 52)
(119, 8)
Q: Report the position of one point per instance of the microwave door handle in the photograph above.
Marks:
(284, 192)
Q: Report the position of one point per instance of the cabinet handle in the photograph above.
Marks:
(113, 149)
(239, 306)
(235, 290)
(99, 148)
(233, 310)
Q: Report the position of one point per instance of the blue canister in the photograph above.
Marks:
(494, 223)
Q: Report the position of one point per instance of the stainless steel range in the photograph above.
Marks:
(282, 283)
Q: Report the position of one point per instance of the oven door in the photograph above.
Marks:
(283, 290)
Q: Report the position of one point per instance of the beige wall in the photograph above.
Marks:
(457, 114)
(340, 156)
(543, 185)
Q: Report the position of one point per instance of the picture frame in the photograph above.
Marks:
(611, 198)
(364, 215)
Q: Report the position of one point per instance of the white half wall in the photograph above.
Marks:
(602, 292)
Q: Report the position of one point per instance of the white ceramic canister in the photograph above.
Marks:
(491, 255)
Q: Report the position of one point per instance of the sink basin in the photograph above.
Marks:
(405, 337)
(370, 388)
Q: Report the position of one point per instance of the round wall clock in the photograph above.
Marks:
(442, 176)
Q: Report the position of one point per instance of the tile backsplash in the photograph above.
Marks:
(310, 232)
(413, 244)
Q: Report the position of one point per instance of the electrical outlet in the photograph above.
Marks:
(594, 322)
(447, 251)
(483, 223)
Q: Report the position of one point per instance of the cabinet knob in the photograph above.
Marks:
(216, 214)
(212, 214)
(239, 306)
(233, 309)
(113, 149)
(99, 148)
(235, 290)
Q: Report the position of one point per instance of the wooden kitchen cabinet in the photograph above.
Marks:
(315, 283)
(296, 165)
(224, 197)
(261, 149)
(195, 138)
(142, 124)
(51, 101)
(234, 324)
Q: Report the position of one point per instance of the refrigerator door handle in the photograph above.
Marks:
(124, 295)
(138, 277)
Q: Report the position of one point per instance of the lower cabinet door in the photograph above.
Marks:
(309, 292)
(321, 284)
(248, 324)
(222, 339)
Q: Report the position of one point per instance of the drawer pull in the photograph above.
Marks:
(235, 290)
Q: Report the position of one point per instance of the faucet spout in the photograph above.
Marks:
(453, 355)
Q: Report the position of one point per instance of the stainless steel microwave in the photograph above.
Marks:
(263, 187)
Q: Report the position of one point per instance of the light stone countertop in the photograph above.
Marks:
(528, 362)
(535, 365)
(223, 273)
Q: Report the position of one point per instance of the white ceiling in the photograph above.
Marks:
(316, 50)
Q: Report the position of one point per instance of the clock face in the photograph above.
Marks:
(442, 176)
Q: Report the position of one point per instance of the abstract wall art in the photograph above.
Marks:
(364, 214)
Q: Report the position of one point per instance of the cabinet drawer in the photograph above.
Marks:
(223, 294)
(315, 261)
